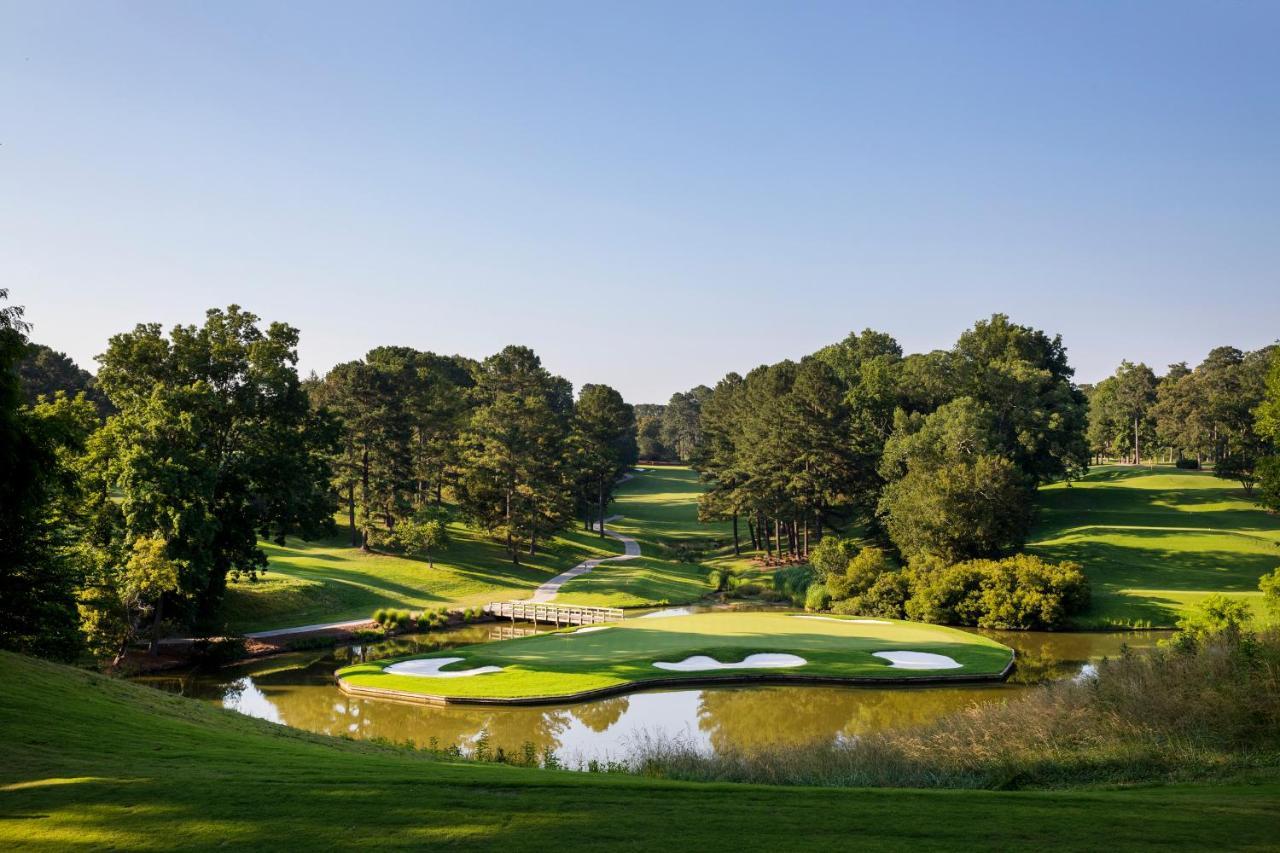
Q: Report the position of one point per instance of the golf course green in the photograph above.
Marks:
(706, 647)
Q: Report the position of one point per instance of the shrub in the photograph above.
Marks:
(793, 581)
(1270, 586)
(1187, 464)
(1216, 618)
(716, 579)
(746, 590)
(817, 597)
(886, 597)
(831, 556)
(1022, 592)
(380, 616)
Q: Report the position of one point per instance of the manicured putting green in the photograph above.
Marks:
(572, 664)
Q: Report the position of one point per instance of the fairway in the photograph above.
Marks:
(658, 507)
(574, 664)
(1155, 541)
(324, 582)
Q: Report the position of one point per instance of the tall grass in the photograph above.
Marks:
(1167, 715)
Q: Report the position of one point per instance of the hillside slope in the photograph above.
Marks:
(88, 762)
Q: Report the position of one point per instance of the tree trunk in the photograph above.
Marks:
(777, 536)
(601, 505)
(764, 534)
(751, 532)
(351, 513)
(364, 497)
(806, 540)
(737, 549)
(1137, 452)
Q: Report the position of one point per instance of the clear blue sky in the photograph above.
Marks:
(648, 194)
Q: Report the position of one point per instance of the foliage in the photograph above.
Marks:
(44, 372)
(39, 493)
(1270, 586)
(830, 557)
(949, 494)
(1215, 619)
(817, 597)
(427, 533)
(213, 445)
(1022, 592)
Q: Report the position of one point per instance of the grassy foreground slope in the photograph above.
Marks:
(1155, 541)
(567, 663)
(87, 762)
(659, 509)
(323, 582)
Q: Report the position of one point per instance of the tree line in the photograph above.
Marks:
(936, 453)
(1210, 414)
(128, 512)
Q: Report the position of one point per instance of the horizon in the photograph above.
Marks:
(650, 198)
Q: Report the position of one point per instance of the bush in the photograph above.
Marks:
(816, 597)
(886, 597)
(831, 556)
(716, 579)
(1217, 618)
(1270, 586)
(746, 590)
(380, 616)
(1187, 464)
(1022, 592)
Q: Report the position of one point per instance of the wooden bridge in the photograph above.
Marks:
(557, 614)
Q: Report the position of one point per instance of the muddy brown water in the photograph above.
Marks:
(298, 689)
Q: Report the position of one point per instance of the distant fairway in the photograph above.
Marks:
(310, 582)
(330, 581)
(659, 509)
(1155, 541)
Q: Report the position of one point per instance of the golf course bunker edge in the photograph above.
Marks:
(711, 648)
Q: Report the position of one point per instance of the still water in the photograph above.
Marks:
(298, 689)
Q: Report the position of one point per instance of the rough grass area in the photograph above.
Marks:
(566, 663)
(86, 762)
(1156, 541)
(309, 583)
(659, 509)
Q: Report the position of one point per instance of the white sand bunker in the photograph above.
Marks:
(918, 660)
(851, 621)
(699, 663)
(430, 668)
(588, 629)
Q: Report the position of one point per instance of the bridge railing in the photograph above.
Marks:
(558, 614)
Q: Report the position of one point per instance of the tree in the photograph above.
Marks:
(1267, 425)
(1022, 377)
(681, 422)
(605, 435)
(950, 495)
(121, 598)
(514, 479)
(1132, 400)
(38, 491)
(44, 372)
(426, 533)
(214, 443)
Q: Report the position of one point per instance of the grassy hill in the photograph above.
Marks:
(1155, 541)
(87, 762)
(311, 582)
(659, 509)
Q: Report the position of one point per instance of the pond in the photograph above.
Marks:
(297, 689)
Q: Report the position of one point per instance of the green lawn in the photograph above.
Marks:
(565, 663)
(322, 582)
(659, 509)
(1154, 541)
(89, 763)
(311, 582)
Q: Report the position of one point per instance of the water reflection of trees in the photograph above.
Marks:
(324, 709)
(600, 716)
(748, 718)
